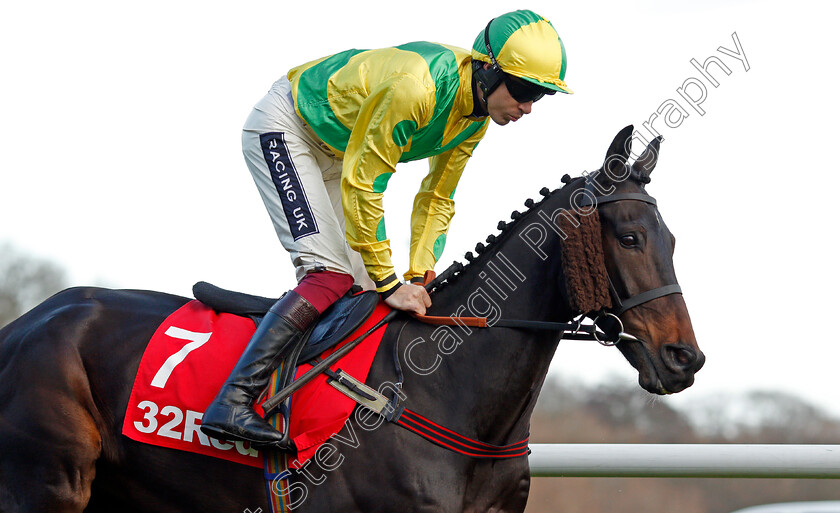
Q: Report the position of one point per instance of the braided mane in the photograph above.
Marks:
(585, 274)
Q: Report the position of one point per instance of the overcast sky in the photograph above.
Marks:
(120, 153)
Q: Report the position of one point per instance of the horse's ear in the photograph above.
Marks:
(619, 152)
(647, 160)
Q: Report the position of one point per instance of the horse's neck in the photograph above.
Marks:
(498, 372)
(515, 277)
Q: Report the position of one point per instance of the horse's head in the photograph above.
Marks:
(638, 253)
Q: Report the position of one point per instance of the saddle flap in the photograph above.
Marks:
(340, 320)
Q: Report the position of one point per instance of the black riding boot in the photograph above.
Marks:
(230, 416)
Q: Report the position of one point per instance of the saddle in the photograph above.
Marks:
(340, 320)
(337, 322)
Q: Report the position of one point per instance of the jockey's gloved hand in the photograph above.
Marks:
(409, 298)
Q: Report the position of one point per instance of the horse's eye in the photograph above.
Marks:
(628, 241)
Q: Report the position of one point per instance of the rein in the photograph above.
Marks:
(576, 330)
(570, 330)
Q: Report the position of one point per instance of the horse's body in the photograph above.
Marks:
(66, 370)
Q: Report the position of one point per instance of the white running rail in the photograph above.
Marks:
(685, 460)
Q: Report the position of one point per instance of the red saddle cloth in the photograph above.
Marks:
(191, 355)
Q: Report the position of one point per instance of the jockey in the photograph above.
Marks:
(322, 145)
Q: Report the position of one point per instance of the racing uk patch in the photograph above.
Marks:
(286, 180)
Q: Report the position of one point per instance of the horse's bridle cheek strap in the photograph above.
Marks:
(644, 297)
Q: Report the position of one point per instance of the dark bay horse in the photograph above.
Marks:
(67, 367)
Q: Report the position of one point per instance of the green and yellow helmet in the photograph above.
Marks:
(522, 44)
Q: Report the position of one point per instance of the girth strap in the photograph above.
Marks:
(453, 441)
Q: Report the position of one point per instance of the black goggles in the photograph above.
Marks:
(524, 91)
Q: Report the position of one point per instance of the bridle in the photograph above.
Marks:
(606, 328)
(622, 305)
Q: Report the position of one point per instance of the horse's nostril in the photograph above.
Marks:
(678, 358)
(684, 357)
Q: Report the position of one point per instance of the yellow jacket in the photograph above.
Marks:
(376, 108)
